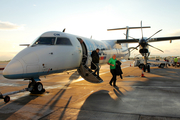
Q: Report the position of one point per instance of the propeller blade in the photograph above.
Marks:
(154, 34)
(141, 30)
(156, 48)
(133, 48)
(136, 47)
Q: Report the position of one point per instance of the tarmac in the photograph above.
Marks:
(69, 97)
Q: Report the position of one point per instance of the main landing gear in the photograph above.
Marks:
(146, 67)
(34, 87)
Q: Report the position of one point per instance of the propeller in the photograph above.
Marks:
(144, 42)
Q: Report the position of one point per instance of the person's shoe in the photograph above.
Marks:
(100, 81)
(94, 74)
(98, 77)
(115, 86)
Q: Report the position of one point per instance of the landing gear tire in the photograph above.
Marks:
(144, 68)
(30, 86)
(148, 68)
(36, 88)
(6, 99)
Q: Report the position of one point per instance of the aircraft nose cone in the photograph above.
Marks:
(13, 70)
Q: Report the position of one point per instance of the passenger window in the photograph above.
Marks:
(45, 41)
(63, 41)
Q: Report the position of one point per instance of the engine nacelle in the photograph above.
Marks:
(144, 51)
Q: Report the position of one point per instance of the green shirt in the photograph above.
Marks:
(175, 60)
(112, 61)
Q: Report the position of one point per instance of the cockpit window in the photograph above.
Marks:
(63, 41)
(45, 41)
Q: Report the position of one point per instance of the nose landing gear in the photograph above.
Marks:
(36, 87)
(33, 87)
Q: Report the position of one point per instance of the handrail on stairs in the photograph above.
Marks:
(92, 62)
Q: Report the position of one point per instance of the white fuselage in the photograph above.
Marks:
(64, 53)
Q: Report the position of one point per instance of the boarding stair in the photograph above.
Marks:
(88, 74)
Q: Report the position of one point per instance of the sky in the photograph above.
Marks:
(22, 21)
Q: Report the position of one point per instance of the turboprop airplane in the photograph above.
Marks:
(55, 52)
(143, 43)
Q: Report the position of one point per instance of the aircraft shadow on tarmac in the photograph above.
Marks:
(101, 100)
(74, 76)
(21, 102)
(58, 95)
(97, 103)
(51, 106)
(14, 106)
(146, 98)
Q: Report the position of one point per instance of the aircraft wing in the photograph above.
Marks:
(164, 39)
(150, 40)
(128, 41)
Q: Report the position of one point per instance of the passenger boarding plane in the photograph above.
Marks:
(55, 52)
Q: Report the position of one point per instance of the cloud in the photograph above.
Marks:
(10, 26)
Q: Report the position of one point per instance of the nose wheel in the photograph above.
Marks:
(36, 87)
